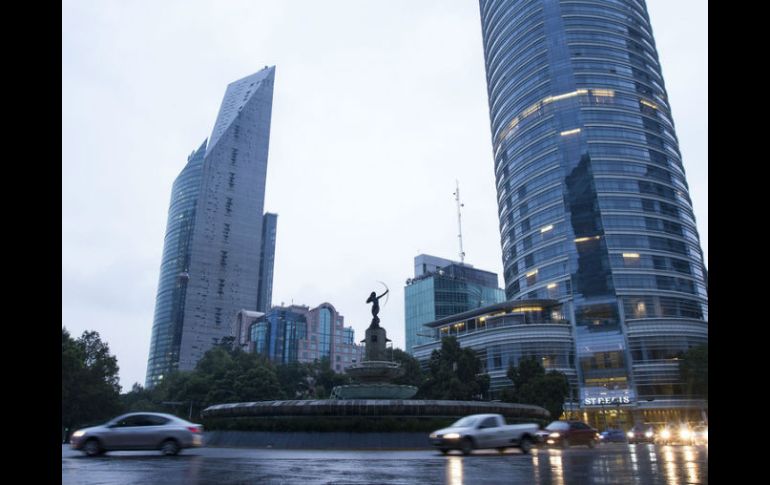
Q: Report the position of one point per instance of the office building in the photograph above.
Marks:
(298, 333)
(214, 244)
(593, 202)
(440, 288)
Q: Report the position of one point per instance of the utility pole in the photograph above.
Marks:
(459, 222)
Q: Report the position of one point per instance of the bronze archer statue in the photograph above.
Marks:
(373, 298)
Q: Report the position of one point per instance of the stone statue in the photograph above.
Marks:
(373, 298)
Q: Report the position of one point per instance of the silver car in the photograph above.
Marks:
(139, 431)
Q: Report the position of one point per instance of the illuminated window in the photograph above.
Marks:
(641, 310)
(584, 239)
(527, 309)
(631, 259)
(603, 92)
(531, 278)
(570, 132)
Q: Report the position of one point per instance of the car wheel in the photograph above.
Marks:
(526, 445)
(169, 447)
(444, 451)
(466, 446)
(565, 443)
(92, 447)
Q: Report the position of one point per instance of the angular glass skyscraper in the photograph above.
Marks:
(214, 236)
(593, 204)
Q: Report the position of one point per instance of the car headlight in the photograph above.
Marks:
(684, 433)
(630, 434)
(452, 436)
(434, 435)
(665, 434)
(78, 434)
(554, 435)
(648, 434)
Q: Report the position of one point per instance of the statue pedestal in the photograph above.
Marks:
(376, 337)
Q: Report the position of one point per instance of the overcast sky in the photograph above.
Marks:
(379, 106)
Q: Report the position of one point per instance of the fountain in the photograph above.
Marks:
(374, 372)
(372, 402)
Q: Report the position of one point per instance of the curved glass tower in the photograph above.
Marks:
(217, 260)
(593, 204)
(174, 268)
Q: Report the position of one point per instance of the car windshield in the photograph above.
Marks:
(466, 422)
(557, 426)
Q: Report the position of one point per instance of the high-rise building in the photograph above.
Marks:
(266, 262)
(298, 334)
(440, 288)
(215, 241)
(593, 204)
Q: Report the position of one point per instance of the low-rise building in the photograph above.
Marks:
(297, 333)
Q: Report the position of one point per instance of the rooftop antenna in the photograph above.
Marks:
(459, 222)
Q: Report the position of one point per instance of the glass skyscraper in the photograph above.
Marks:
(441, 288)
(215, 241)
(266, 262)
(593, 204)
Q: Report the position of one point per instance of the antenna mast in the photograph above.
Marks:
(459, 222)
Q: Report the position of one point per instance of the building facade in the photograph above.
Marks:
(299, 334)
(267, 261)
(440, 288)
(211, 256)
(593, 203)
(244, 319)
(504, 333)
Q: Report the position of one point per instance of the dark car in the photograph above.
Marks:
(139, 431)
(568, 433)
(641, 433)
(613, 436)
(542, 436)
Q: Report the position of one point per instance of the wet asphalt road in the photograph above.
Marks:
(606, 464)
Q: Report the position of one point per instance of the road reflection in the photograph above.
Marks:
(578, 465)
(557, 466)
(454, 471)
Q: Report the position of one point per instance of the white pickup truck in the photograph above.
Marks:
(484, 431)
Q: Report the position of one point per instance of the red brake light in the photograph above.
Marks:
(194, 429)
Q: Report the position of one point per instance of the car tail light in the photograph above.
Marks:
(195, 429)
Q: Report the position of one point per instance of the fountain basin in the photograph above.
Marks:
(375, 371)
(374, 408)
(373, 391)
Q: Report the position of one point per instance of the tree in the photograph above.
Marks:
(694, 369)
(224, 374)
(140, 399)
(532, 385)
(326, 379)
(90, 389)
(454, 373)
(296, 380)
(413, 375)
